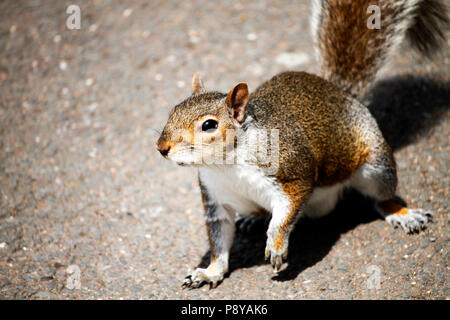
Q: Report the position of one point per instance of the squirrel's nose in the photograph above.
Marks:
(164, 152)
(163, 147)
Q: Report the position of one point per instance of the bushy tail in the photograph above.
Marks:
(353, 47)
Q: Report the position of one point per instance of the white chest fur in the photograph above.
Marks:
(243, 187)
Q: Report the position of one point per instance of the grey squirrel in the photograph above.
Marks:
(326, 139)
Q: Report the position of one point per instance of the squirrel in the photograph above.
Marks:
(326, 139)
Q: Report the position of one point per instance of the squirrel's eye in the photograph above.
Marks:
(209, 125)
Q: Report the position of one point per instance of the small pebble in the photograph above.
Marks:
(91, 108)
(323, 286)
(65, 91)
(127, 12)
(171, 58)
(292, 59)
(63, 65)
(93, 27)
(256, 69)
(252, 36)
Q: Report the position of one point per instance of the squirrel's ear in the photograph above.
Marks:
(237, 100)
(197, 84)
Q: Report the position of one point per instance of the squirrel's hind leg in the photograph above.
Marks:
(379, 182)
(323, 200)
(253, 222)
(396, 214)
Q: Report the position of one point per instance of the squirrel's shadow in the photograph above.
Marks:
(405, 108)
(309, 243)
(408, 107)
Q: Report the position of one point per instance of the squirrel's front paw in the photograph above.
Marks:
(276, 253)
(211, 275)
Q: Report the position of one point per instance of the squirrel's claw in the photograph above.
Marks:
(190, 283)
(200, 277)
(412, 222)
(276, 262)
(276, 259)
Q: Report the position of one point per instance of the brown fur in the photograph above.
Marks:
(353, 54)
(392, 207)
(298, 194)
(321, 142)
(323, 139)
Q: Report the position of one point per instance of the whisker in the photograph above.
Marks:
(155, 133)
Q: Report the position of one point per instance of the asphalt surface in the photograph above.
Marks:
(82, 187)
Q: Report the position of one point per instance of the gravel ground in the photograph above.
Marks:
(82, 187)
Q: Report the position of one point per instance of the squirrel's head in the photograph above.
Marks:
(202, 127)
